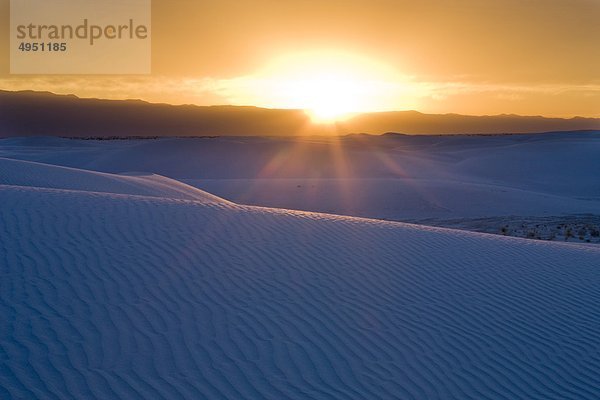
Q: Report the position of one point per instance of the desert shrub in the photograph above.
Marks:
(568, 233)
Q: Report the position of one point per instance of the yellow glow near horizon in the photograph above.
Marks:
(326, 97)
(330, 86)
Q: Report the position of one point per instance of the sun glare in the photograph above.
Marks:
(329, 86)
(327, 98)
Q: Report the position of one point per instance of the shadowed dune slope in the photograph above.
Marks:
(116, 296)
(392, 176)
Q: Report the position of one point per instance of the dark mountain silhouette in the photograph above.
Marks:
(417, 123)
(28, 113)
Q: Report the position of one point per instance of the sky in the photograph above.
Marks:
(528, 57)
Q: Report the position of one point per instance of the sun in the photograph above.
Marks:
(327, 97)
(330, 86)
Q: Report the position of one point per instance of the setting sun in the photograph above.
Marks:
(327, 98)
(330, 86)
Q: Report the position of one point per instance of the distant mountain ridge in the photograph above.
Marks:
(29, 113)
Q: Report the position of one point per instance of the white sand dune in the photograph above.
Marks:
(397, 198)
(392, 176)
(121, 296)
(26, 173)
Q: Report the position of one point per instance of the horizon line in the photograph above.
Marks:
(354, 114)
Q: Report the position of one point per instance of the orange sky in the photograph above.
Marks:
(464, 56)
